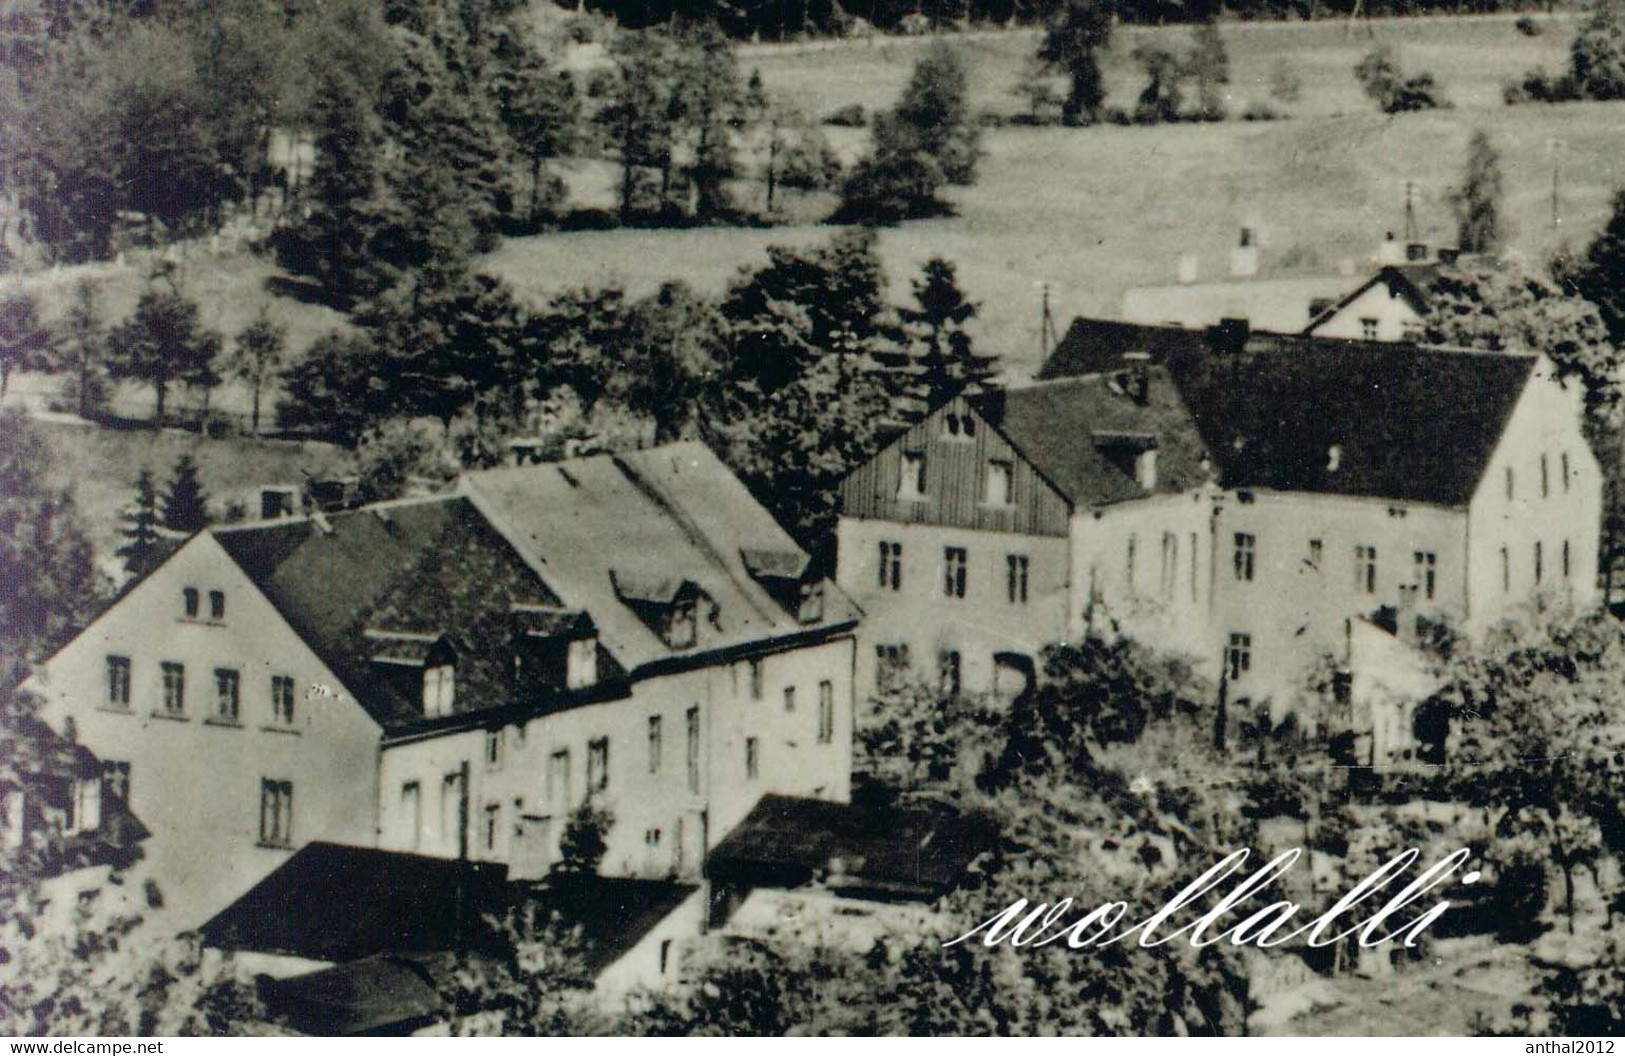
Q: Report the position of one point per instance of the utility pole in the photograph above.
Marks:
(1412, 234)
(1555, 148)
(1047, 337)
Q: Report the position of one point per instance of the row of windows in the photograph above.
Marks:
(998, 479)
(1425, 563)
(955, 571)
(1539, 569)
(1545, 476)
(1168, 577)
(190, 600)
(227, 703)
(891, 661)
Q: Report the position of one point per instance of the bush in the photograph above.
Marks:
(1596, 62)
(851, 116)
(1528, 26)
(1257, 111)
(1538, 86)
(809, 163)
(890, 188)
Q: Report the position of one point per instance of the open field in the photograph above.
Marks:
(1090, 212)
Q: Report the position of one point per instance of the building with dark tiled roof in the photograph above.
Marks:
(454, 676)
(353, 940)
(1233, 495)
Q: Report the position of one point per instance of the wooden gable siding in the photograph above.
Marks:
(954, 482)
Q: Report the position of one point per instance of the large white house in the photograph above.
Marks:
(455, 675)
(1233, 497)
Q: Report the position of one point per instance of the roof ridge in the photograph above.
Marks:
(309, 518)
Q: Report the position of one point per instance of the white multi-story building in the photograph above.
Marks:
(456, 675)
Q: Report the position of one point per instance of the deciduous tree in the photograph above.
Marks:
(162, 344)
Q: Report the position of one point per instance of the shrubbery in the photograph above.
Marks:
(1596, 63)
(1379, 73)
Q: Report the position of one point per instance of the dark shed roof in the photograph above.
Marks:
(330, 902)
(917, 852)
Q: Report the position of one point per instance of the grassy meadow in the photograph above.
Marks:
(1091, 212)
(1087, 212)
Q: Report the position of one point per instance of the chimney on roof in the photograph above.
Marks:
(1390, 252)
(1188, 269)
(1229, 336)
(1244, 257)
(1137, 376)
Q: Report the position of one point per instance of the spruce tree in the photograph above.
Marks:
(140, 549)
(1477, 202)
(943, 357)
(185, 506)
(1079, 30)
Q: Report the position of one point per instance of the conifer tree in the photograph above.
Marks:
(185, 506)
(140, 550)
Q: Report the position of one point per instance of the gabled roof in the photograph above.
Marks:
(657, 518)
(1413, 282)
(389, 581)
(918, 852)
(1092, 346)
(330, 902)
(385, 994)
(1068, 429)
(1409, 424)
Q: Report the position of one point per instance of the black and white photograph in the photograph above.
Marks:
(949, 518)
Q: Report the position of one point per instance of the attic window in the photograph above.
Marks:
(581, 663)
(557, 645)
(911, 484)
(1145, 469)
(1133, 453)
(668, 604)
(439, 689)
(811, 606)
(958, 427)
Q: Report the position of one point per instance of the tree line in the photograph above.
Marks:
(801, 18)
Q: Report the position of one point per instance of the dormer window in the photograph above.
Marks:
(1135, 454)
(912, 483)
(189, 599)
(439, 690)
(416, 663)
(682, 626)
(555, 645)
(669, 605)
(1145, 469)
(785, 575)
